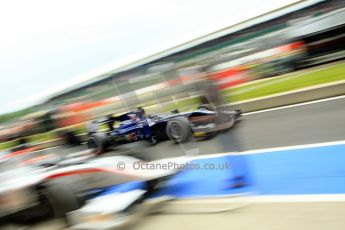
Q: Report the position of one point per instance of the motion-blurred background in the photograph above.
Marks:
(273, 53)
(284, 55)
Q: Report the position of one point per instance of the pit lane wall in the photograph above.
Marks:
(292, 97)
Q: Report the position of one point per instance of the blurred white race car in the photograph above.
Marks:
(28, 192)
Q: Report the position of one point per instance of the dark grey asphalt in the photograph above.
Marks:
(306, 124)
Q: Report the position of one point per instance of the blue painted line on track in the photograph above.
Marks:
(316, 170)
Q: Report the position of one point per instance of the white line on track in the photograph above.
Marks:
(295, 105)
(252, 198)
(298, 198)
(267, 150)
(207, 202)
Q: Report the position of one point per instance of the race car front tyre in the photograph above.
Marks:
(98, 143)
(178, 130)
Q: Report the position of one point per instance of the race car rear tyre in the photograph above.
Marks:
(206, 107)
(61, 198)
(178, 130)
(98, 143)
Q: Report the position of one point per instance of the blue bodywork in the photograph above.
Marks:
(135, 126)
(131, 129)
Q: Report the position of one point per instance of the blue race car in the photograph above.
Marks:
(177, 126)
